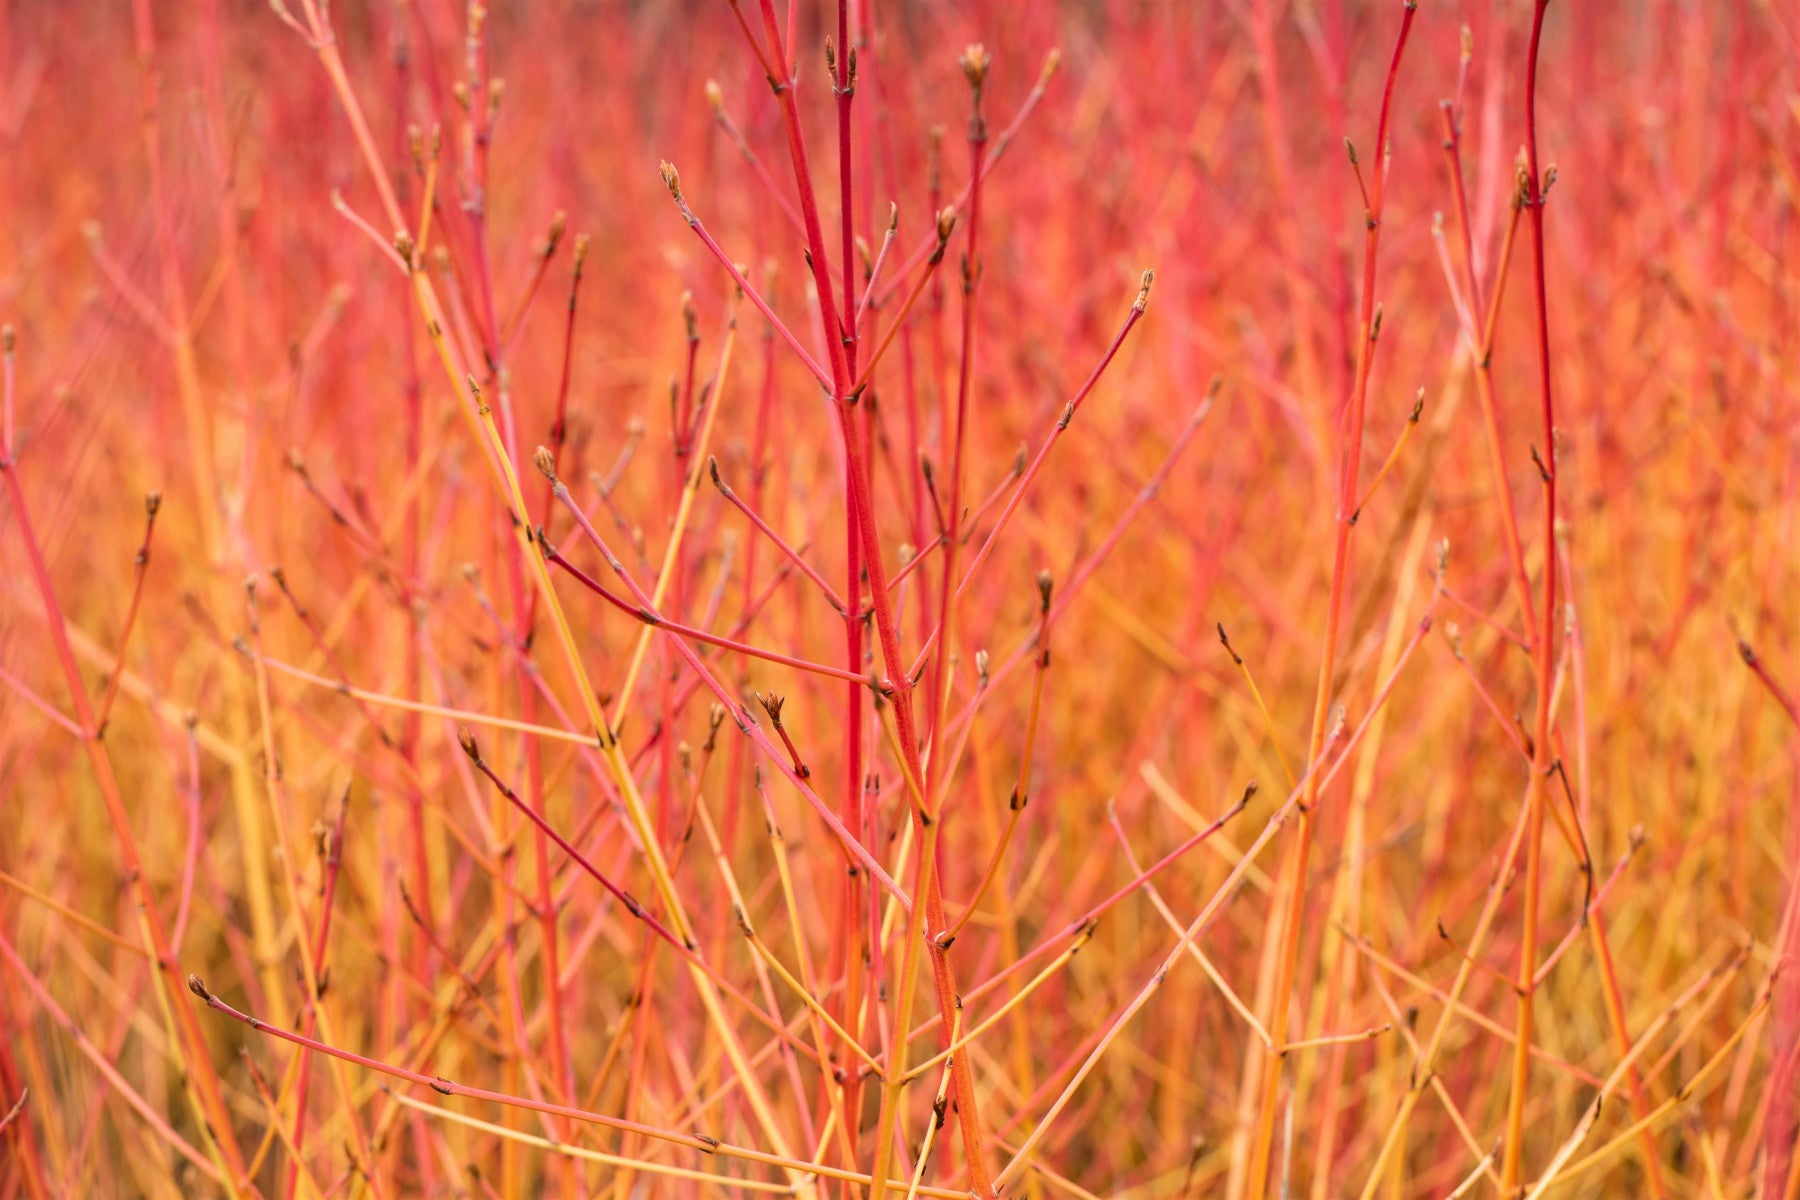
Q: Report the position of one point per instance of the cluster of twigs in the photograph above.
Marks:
(726, 703)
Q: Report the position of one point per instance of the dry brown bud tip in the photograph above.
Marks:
(975, 61)
(544, 462)
(1143, 296)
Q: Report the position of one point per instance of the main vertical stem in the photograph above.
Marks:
(928, 819)
(1535, 798)
(931, 911)
(1293, 886)
(853, 893)
(523, 598)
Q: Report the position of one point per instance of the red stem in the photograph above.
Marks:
(1535, 799)
(1292, 893)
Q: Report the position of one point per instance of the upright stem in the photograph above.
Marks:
(854, 889)
(196, 1061)
(1293, 884)
(975, 64)
(1481, 344)
(971, 275)
(931, 911)
(1540, 763)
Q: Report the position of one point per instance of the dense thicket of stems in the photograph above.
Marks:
(1069, 599)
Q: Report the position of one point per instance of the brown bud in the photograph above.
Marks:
(975, 61)
(672, 180)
